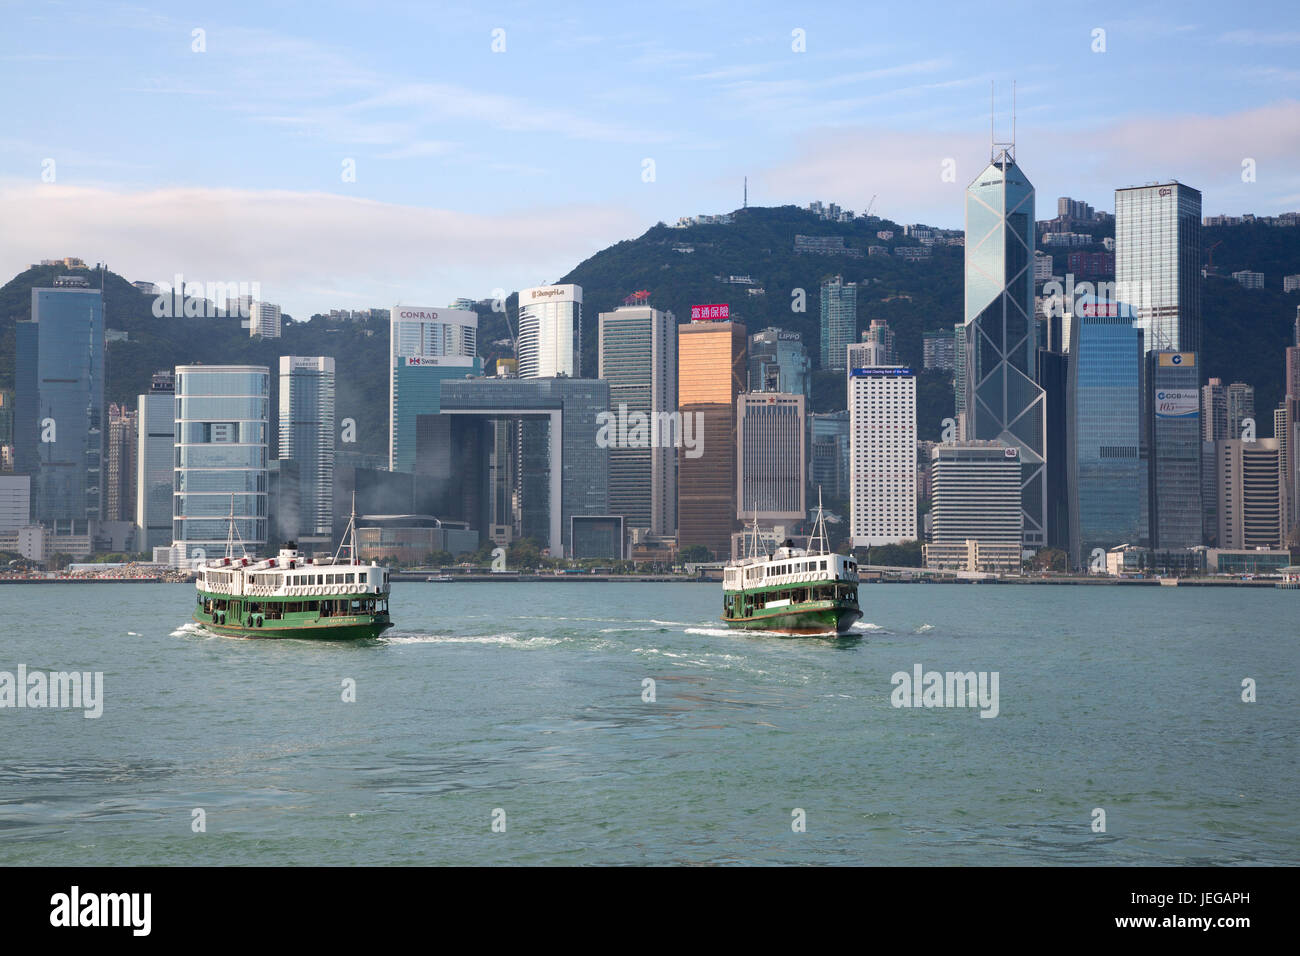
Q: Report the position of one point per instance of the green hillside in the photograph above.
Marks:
(1245, 331)
(154, 343)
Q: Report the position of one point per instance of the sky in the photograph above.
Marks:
(364, 155)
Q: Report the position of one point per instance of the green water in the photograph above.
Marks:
(528, 699)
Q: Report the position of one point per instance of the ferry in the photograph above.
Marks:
(792, 590)
(292, 595)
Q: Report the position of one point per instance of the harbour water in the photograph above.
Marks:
(527, 706)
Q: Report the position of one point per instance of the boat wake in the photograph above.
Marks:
(751, 632)
(191, 629)
(504, 640)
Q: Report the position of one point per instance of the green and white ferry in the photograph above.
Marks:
(291, 595)
(792, 590)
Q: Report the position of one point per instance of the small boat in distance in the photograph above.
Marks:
(439, 578)
(792, 590)
(291, 595)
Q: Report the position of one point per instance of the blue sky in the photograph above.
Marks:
(477, 170)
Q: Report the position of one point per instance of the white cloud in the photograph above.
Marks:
(299, 246)
(849, 165)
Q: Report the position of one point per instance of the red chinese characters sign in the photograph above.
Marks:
(708, 313)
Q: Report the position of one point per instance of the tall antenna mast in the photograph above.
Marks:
(1013, 119)
(746, 206)
(992, 136)
(348, 542)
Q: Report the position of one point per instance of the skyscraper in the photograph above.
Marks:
(778, 362)
(1173, 427)
(937, 346)
(959, 377)
(306, 436)
(828, 462)
(975, 507)
(882, 455)
(711, 373)
(155, 462)
(550, 331)
(119, 464)
(1252, 501)
(1240, 407)
(566, 472)
(264, 320)
(881, 334)
(1105, 472)
(1214, 410)
(1158, 262)
(6, 428)
(839, 320)
(426, 346)
(638, 357)
(771, 473)
(222, 433)
(866, 355)
(59, 405)
(1003, 402)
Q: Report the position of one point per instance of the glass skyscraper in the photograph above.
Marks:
(59, 405)
(426, 347)
(306, 436)
(710, 375)
(1104, 394)
(550, 331)
(778, 362)
(638, 357)
(1158, 262)
(1173, 424)
(568, 468)
(222, 428)
(155, 463)
(1003, 401)
(839, 321)
(828, 455)
(770, 467)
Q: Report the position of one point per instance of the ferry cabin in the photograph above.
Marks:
(316, 590)
(788, 579)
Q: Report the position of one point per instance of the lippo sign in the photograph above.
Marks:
(710, 313)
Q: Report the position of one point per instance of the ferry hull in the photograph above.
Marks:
(336, 631)
(800, 621)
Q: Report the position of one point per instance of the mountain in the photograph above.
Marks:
(1245, 330)
(759, 243)
(360, 350)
